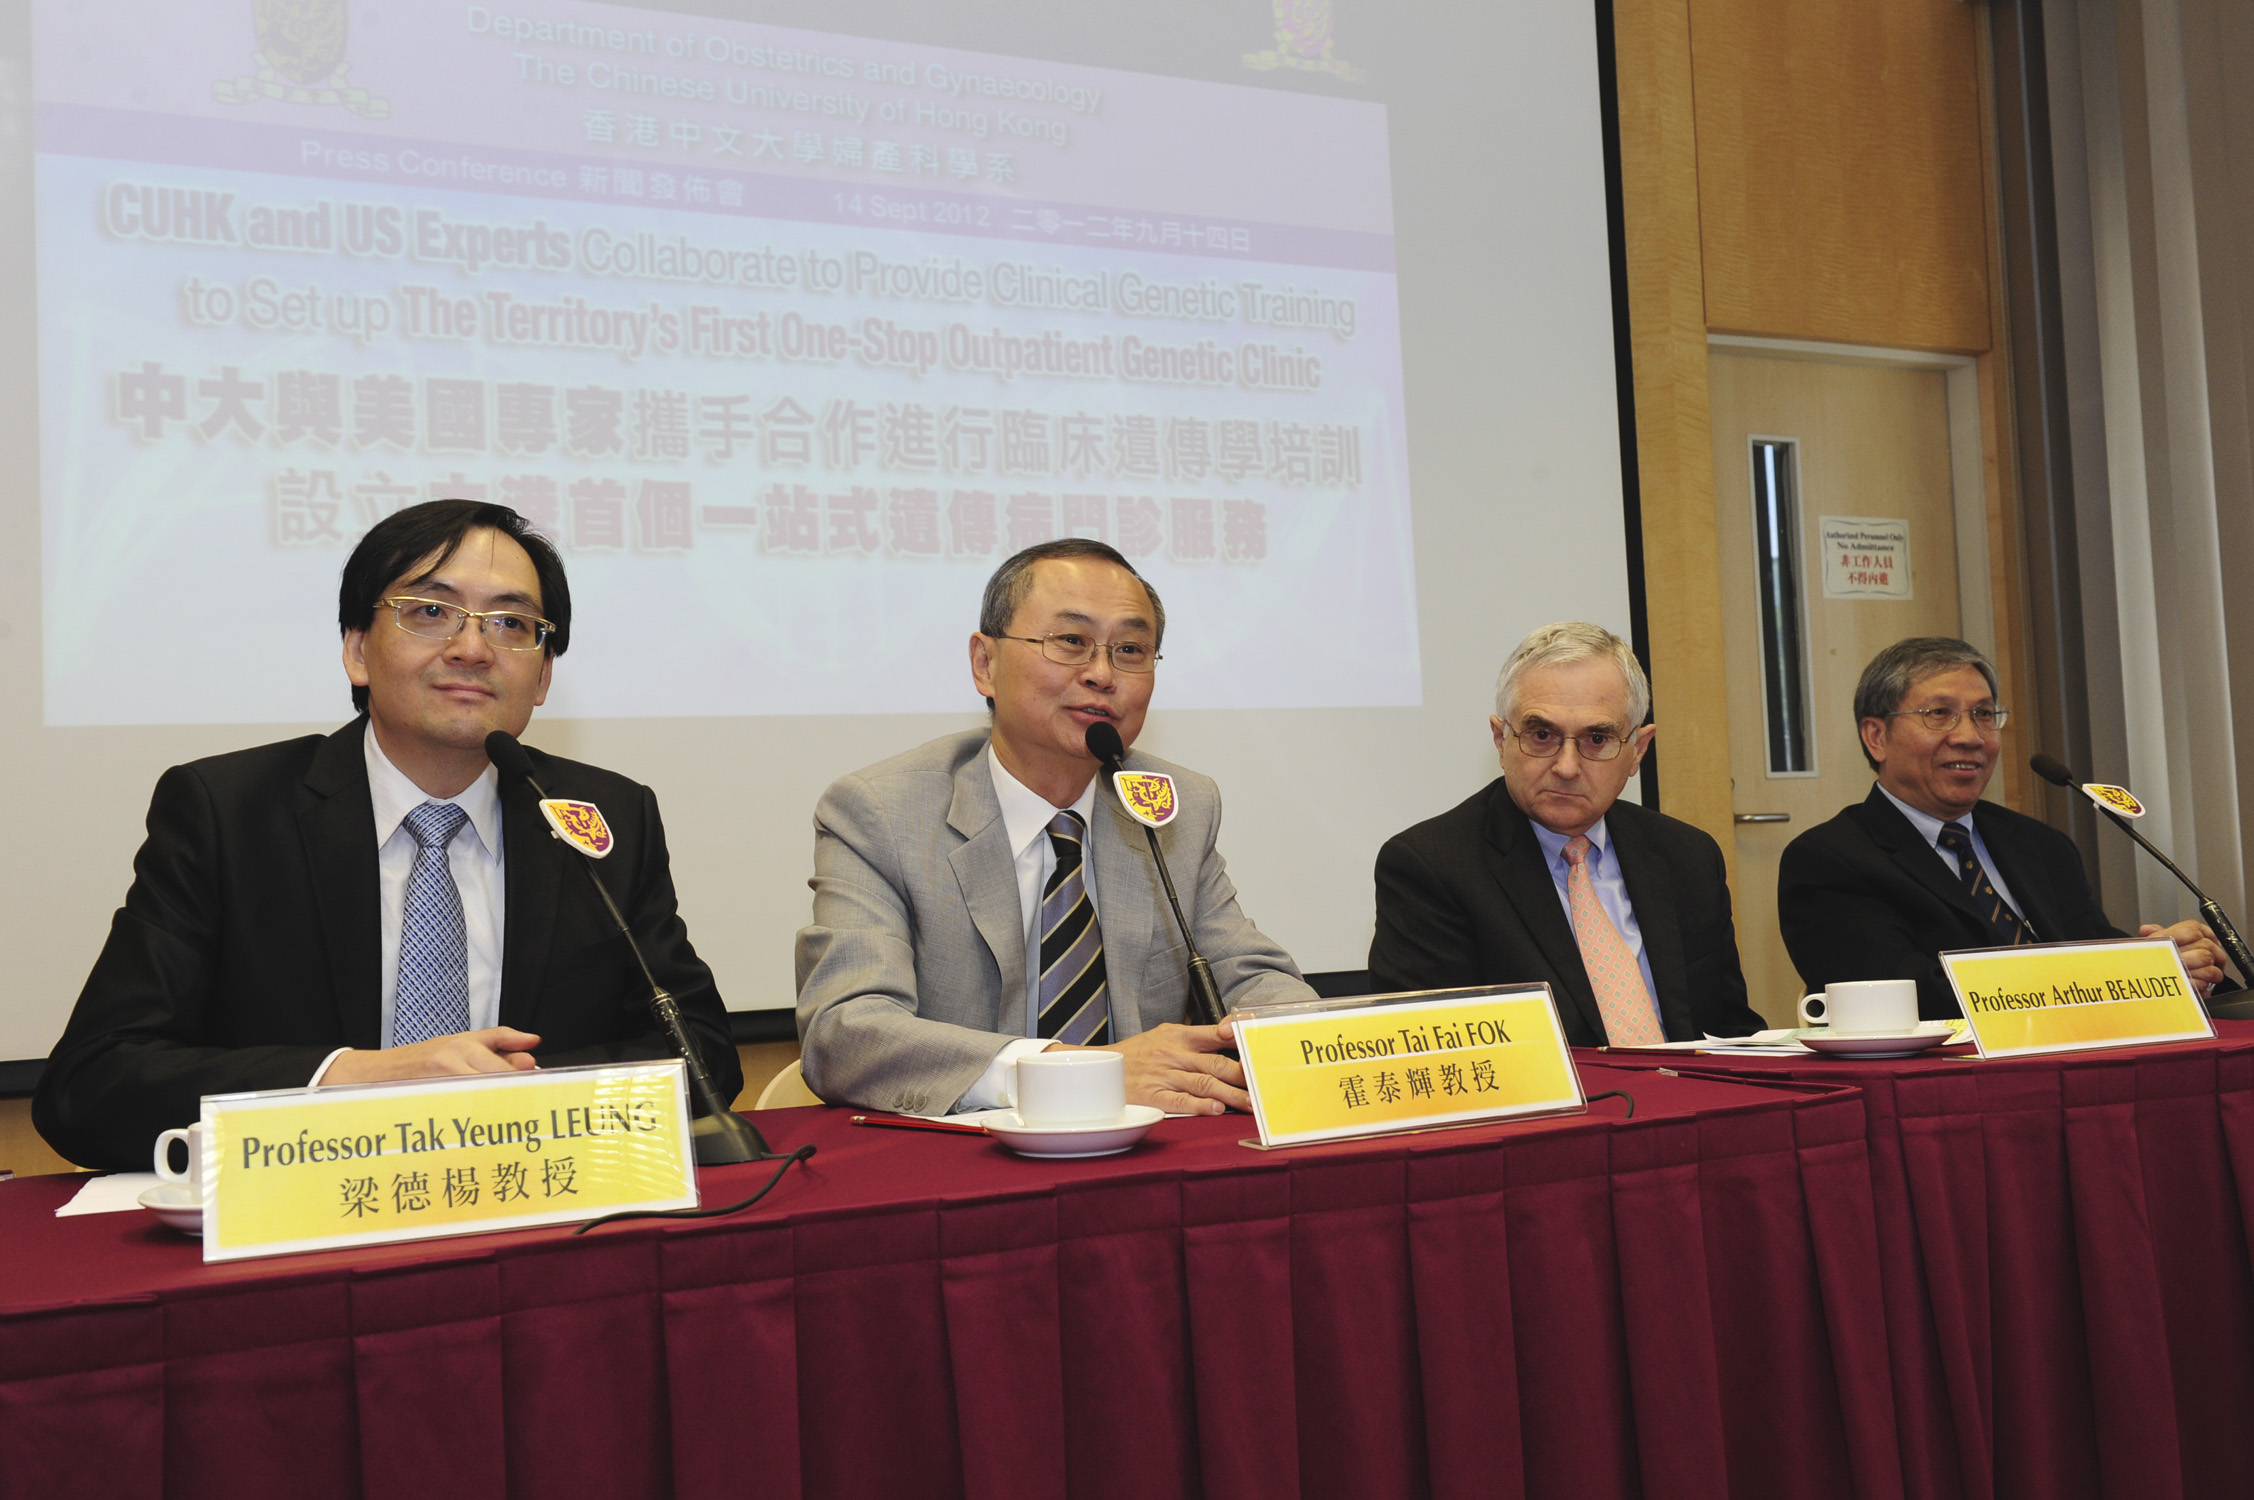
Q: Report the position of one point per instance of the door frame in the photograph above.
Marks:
(1968, 493)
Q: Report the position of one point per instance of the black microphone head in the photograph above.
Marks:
(2051, 769)
(507, 755)
(1104, 744)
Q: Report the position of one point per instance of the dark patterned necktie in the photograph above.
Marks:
(1075, 1001)
(2009, 929)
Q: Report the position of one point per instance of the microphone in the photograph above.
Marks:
(2057, 773)
(721, 1135)
(1205, 996)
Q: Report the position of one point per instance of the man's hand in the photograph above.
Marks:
(1179, 1069)
(2199, 948)
(497, 1049)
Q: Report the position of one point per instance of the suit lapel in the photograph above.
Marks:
(986, 871)
(533, 871)
(1652, 896)
(1515, 858)
(1896, 835)
(336, 820)
(1127, 907)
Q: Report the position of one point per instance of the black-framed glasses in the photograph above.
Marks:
(1069, 648)
(436, 620)
(1544, 743)
(1988, 718)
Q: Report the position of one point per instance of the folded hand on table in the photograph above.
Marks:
(1181, 1070)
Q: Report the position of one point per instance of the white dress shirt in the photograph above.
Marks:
(1026, 816)
(478, 864)
(1929, 828)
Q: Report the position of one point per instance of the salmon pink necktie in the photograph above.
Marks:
(1630, 1017)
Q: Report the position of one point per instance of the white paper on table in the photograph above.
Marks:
(1780, 1042)
(113, 1193)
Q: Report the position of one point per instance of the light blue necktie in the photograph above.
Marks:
(434, 956)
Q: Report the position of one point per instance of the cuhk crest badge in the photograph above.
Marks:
(2114, 799)
(579, 824)
(1148, 796)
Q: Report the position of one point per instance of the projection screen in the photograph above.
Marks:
(788, 323)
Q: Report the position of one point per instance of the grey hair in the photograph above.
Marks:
(1905, 664)
(1564, 644)
(1013, 580)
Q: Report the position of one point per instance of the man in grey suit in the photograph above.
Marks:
(984, 896)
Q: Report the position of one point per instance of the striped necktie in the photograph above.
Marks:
(2010, 931)
(434, 949)
(1075, 1003)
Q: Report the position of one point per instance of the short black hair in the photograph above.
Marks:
(1013, 580)
(435, 530)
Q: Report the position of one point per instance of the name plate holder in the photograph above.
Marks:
(1334, 1070)
(293, 1170)
(2076, 997)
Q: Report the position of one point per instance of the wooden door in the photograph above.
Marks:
(1871, 442)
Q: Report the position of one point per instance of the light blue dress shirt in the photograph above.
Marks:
(1929, 828)
(1612, 894)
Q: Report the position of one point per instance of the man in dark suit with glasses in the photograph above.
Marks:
(1923, 866)
(374, 904)
(1545, 875)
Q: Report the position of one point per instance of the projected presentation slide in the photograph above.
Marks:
(785, 338)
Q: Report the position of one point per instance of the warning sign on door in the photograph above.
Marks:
(1866, 557)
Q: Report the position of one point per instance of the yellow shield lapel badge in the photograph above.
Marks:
(1148, 796)
(2115, 798)
(578, 823)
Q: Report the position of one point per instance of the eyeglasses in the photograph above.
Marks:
(1543, 743)
(1071, 649)
(436, 620)
(1941, 720)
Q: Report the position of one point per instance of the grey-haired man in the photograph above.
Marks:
(1545, 875)
(1922, 865)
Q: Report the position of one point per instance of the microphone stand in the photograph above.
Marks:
(721, 1136)
(2225, 929)
(1205, 995)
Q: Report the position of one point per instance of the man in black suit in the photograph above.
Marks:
(1544, 875)
(373, 904)
(1922, 866)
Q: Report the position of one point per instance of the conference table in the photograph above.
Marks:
(1937, 1276)
(1686, 1303)
(2063, 1242)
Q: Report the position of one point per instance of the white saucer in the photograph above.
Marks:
(1072, 1140)
(173, 1203)
(1923, 1037)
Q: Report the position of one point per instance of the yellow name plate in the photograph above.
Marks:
(2068, 997)
(322, 1169)
(1330, 1070)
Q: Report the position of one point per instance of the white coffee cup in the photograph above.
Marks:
(1071, 1088)
(1862, 1005)
(191, 1140)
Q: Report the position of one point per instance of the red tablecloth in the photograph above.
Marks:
(2069, 1298)
(1685, 1305)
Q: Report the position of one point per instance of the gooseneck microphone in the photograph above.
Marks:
(722, 1135)
(2057, 773)
(1205, 996)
